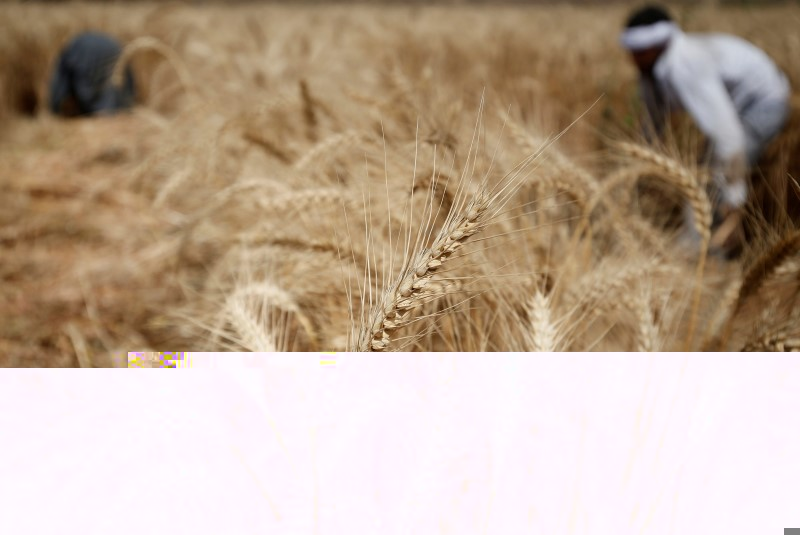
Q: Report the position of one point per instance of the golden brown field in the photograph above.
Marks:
(364, 178)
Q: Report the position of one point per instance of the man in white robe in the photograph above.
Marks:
(733, 91)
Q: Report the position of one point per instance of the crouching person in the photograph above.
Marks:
(732, 90)
(81, 84)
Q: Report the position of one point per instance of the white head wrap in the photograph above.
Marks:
(649, 36)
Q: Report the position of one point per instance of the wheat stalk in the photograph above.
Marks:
(79, 343)
(721, 316)
(676, 174)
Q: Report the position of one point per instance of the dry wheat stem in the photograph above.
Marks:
(722, 315)
(174, 181)
(79, 344)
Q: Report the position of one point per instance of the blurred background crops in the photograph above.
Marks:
(260, 193)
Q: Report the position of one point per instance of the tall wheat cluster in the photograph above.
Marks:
(371, 179)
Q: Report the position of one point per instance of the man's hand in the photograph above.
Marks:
(731, 179)
(729, 235)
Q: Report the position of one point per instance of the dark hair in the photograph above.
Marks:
(647, 15)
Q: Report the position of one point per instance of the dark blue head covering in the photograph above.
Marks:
(82, 79)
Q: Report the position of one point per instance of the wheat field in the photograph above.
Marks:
(363, 178)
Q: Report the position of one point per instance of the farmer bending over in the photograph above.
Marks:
(732, 90)
(81, 83)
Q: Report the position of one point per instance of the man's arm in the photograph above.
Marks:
(704, 96)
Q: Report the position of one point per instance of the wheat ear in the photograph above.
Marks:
(673, 172)
(764, 266)
(543, 331)
(252, 332)
(785, 336)
(648, 337)
(410, 291)
(325, 148)
(261, 330)
(151, 43)
(779, 340)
